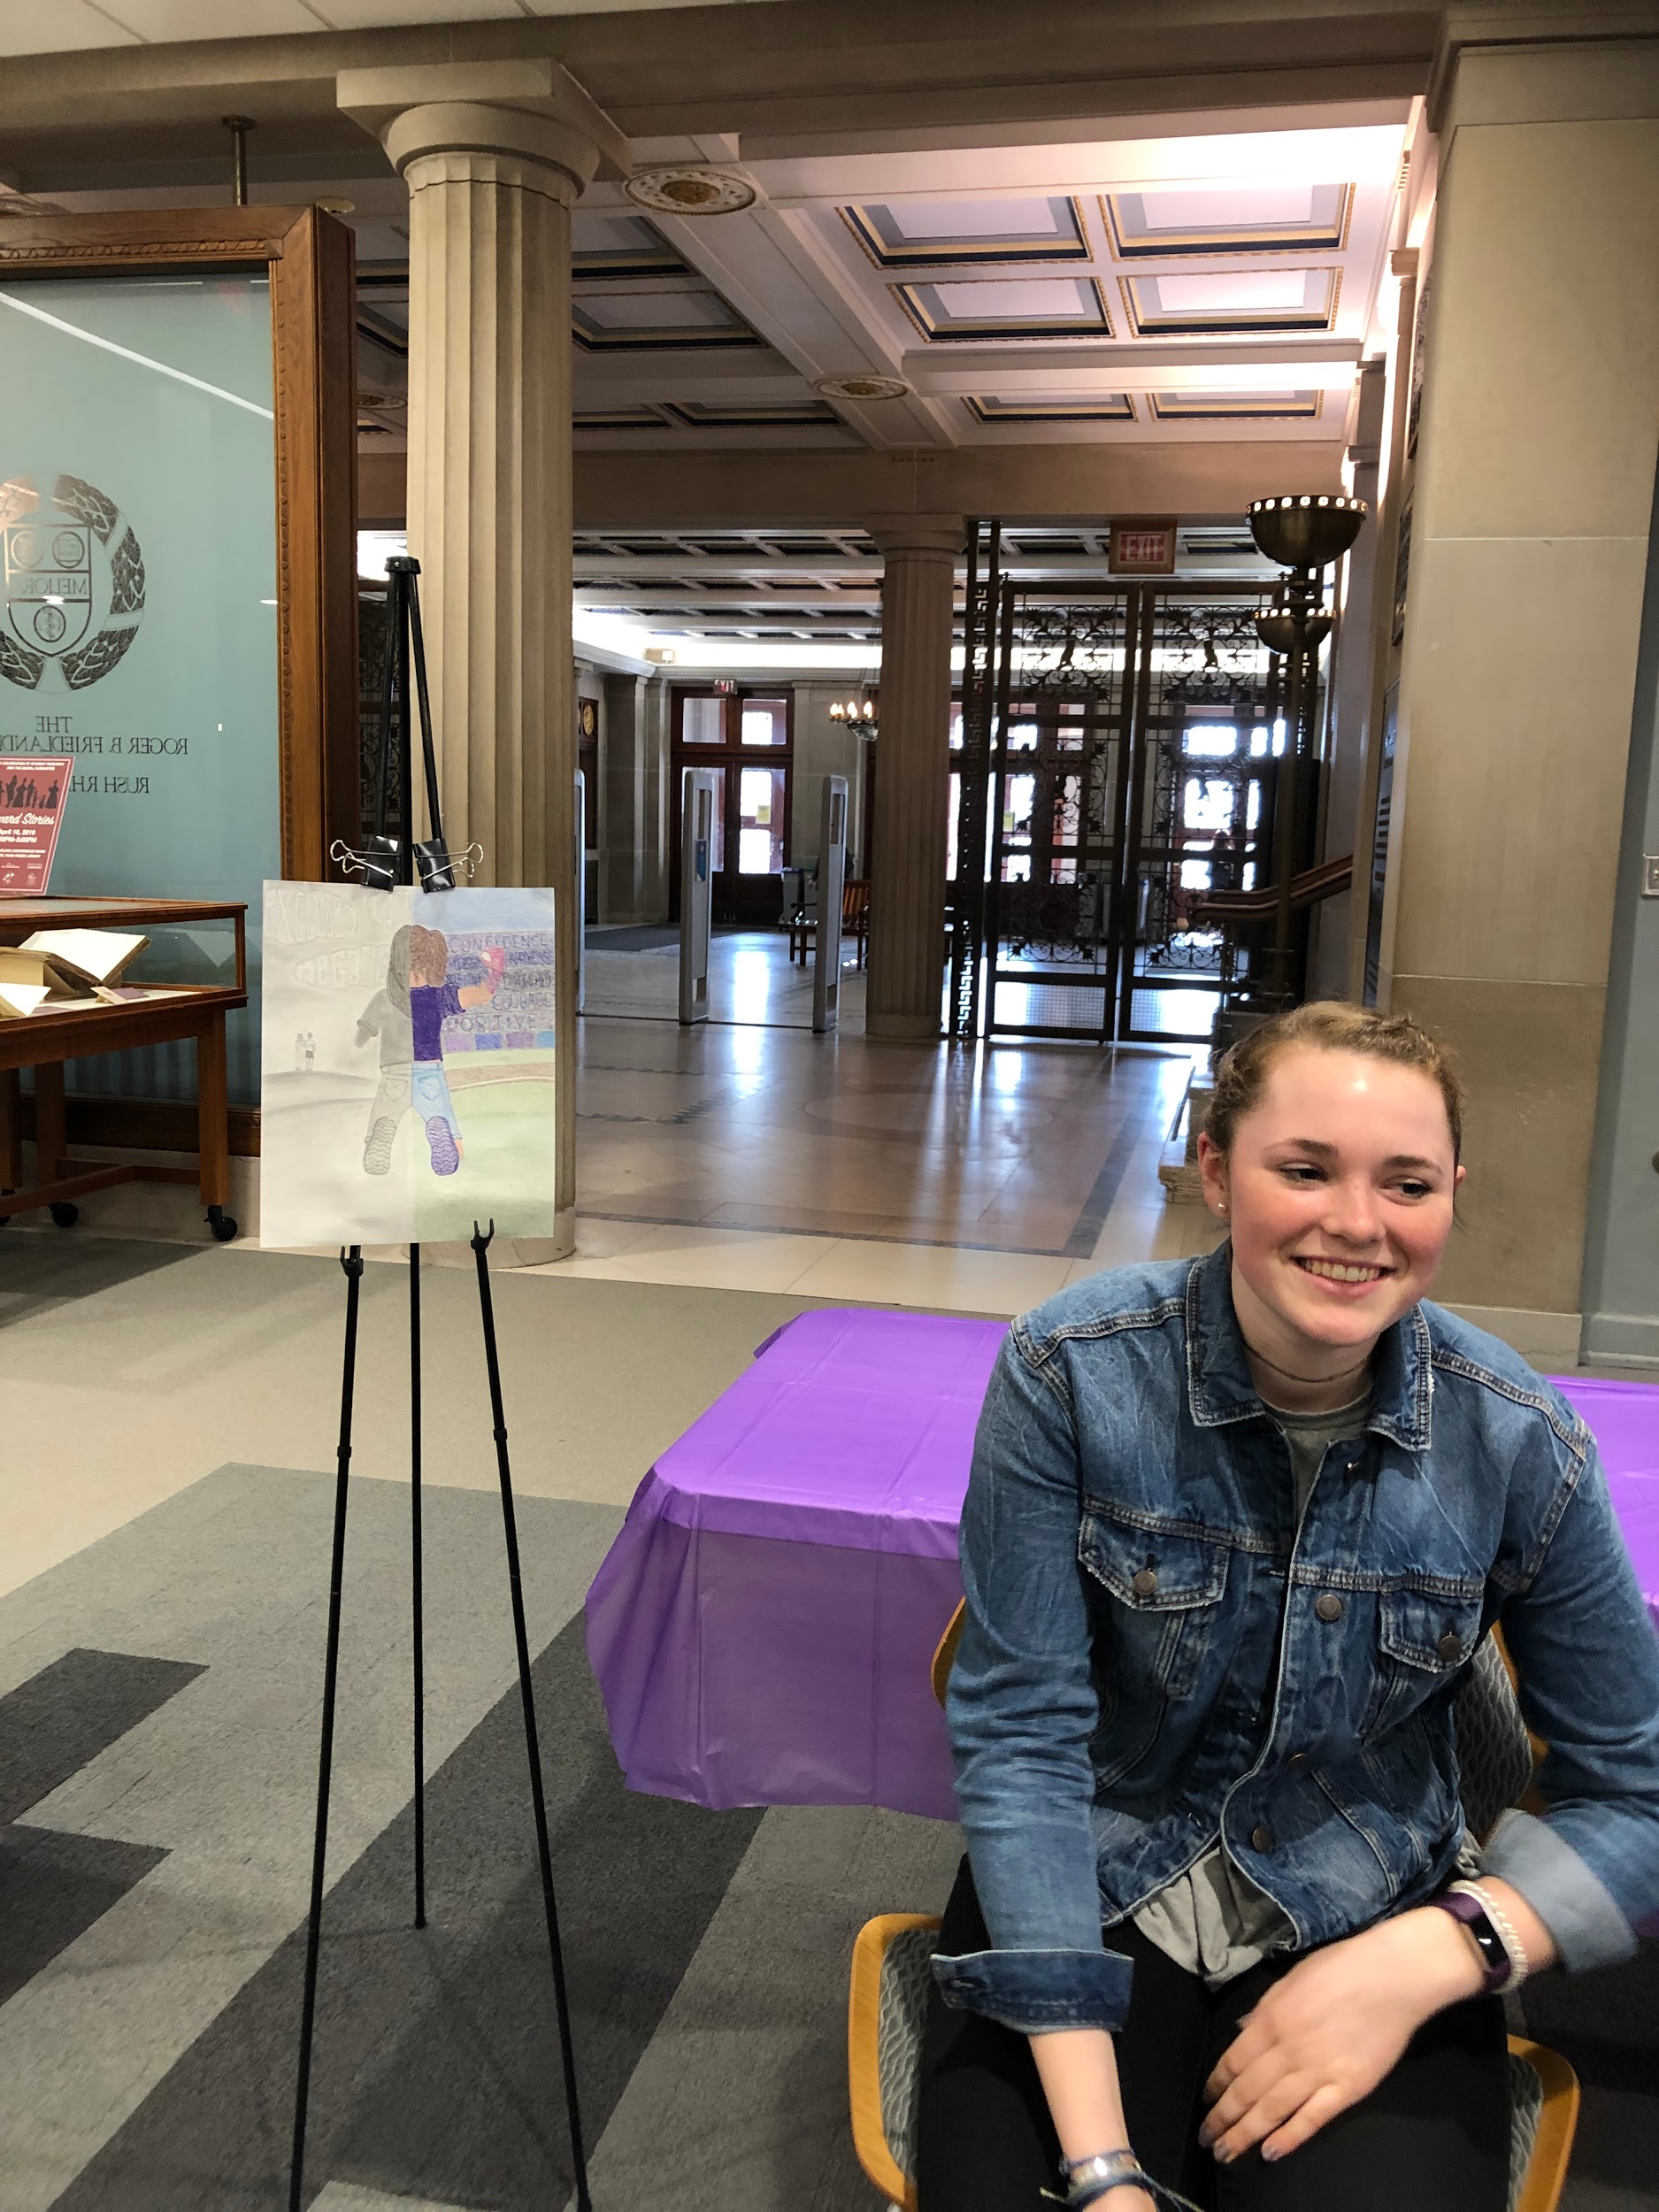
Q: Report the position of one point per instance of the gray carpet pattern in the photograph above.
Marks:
(160, 1696)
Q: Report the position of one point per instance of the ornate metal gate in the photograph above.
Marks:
(1117, 758)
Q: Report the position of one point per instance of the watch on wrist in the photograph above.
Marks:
(1504, 1963)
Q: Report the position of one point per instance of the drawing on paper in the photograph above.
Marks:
(409, 1066)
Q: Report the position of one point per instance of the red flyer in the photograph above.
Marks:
(32, 793)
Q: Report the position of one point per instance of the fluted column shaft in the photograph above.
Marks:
(908, 847)
(490, 191)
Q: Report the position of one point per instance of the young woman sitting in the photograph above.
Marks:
(1234, 1532)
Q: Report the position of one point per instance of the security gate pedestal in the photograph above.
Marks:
(832, 875)
(698, 801)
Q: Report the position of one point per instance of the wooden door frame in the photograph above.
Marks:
(309, 259)
(728, 754)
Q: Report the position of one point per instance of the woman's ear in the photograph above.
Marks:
(1212, 1166)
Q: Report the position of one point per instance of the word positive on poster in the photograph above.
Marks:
(408, 1064)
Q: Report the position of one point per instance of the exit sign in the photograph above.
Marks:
(1143, 547)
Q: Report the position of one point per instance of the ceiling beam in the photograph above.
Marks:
(775, 490)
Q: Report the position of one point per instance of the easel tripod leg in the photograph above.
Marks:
(352, 1263)
(487, 1315)
(416, 1590)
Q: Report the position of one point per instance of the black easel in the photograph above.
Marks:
(386, 860)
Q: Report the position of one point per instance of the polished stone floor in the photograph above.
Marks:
(748, 1153)
(984, 1177)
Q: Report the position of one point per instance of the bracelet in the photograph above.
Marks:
(1088, 2179)
(1509, 1935)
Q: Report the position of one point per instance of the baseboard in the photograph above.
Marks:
(1536, 1334)
(1622, 1339)
(145, 1124)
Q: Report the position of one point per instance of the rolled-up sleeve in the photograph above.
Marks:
(1022, 1709)
(1586, 1651)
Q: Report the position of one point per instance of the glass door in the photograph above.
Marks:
(747, 738)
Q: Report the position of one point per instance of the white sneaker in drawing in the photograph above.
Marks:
(377, 1147)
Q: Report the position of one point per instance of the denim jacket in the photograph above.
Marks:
(1155, 1654)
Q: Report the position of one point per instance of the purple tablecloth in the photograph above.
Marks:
(761, 1628)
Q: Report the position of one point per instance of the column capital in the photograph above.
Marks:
(941, 536)
(532, 113)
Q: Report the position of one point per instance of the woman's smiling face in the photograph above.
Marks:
(1338, 1193)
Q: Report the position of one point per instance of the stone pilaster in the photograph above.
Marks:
(495, 156)
(907, 840)
(1529, 537)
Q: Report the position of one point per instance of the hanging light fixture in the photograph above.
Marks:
(856, 715)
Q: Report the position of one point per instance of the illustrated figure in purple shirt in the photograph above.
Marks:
(409, 1017)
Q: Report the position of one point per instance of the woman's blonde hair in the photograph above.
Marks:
(1327, 1025)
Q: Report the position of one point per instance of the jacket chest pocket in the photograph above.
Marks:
(1424, 1638)
(1156, 1604)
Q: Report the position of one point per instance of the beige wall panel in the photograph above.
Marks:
(1543, 336)
(1527, 1136)
(1588, 82)
(1509, 789)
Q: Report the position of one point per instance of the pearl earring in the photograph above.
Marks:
(1221, 1205)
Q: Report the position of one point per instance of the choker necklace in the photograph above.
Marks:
(1311, 1382)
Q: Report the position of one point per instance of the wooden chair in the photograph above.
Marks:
(892, 1976)
(856, 914)
(803, 924)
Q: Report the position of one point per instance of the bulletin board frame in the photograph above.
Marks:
(310, 257)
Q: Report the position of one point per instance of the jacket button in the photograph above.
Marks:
(1449, 1648)
(1328, 1606)
(1262, 1839)
(1297, 1759)
(1146, 1583)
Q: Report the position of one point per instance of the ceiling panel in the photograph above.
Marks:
(1006, 308)
(369, 15)
(619, 246)
(644, 322)
(767, 415)
(1201, 406)
(941, 233)
(29, 27)
(620, 418)
(165, 21)
(1106, 407)
(1228, 220)
(1228, 303)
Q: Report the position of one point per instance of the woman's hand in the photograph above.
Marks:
(1325, 2035)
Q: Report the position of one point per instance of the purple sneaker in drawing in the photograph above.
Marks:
(446, 1153)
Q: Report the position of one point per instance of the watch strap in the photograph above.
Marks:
(1499, 1969)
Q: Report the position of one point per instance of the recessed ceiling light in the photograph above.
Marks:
(686, 191)
(862, 386)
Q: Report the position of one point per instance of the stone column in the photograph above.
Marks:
(1349, 675)
(1527, 551)
(494, 155)
(908, 838)
(654, 872)
(622, 817)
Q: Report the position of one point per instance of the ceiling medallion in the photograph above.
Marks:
(862, 386)
(679, 190)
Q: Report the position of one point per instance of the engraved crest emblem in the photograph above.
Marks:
(73, 583)
(48, 585)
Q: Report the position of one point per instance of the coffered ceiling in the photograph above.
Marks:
(1194, 275)
(1213, 282)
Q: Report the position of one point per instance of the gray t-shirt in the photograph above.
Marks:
(1213, 1920)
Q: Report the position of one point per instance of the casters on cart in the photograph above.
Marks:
(222, 1225)
(66, 1214)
